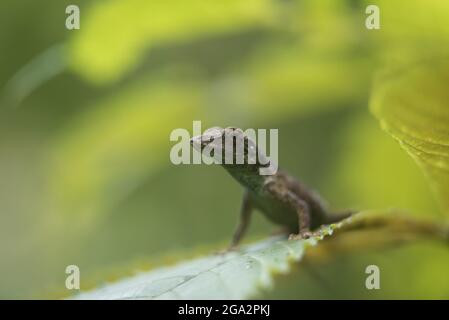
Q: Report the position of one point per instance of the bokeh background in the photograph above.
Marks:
(85, 118)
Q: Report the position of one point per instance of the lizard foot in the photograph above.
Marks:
(302, 235)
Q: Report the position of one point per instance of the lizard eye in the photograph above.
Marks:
(208, 139)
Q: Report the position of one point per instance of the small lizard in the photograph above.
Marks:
(281, 198)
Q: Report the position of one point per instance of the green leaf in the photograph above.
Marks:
(234, 275)
(242, 274)
(389, 172)
(141, 24)
(412, 104)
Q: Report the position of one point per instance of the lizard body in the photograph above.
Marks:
(280, 197)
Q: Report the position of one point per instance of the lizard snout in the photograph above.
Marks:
(196, 142)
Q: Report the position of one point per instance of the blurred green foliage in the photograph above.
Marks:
(84, 148)
(412, 106)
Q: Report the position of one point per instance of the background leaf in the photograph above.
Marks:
(141, 24)
(412, 105)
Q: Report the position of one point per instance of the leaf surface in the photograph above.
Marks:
(234, 275)
(412, 105)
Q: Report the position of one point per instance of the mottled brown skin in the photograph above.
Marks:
(281, 198)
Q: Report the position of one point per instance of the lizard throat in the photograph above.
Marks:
(247, 175)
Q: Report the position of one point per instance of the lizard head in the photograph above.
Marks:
(230, 147)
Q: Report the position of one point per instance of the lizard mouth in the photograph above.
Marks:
(201, 141)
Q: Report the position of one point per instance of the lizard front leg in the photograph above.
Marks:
(303, 211)
(244, 219)
(300, 206)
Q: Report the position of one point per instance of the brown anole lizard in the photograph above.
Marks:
(280, 197)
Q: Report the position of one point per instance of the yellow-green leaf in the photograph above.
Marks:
(412, 104)
(115, 33)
